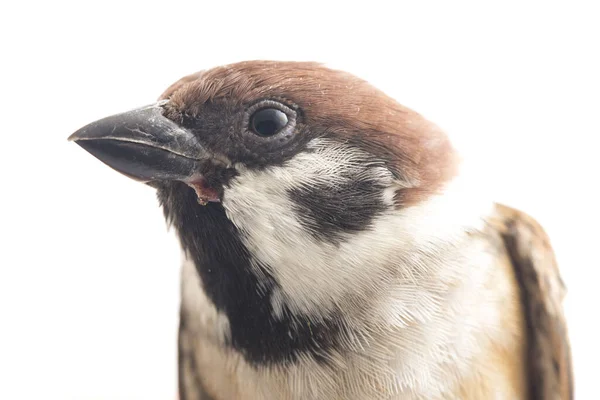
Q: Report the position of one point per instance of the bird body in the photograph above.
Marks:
(466, 347)
(334, 246)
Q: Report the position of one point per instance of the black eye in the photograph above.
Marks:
(268, 121)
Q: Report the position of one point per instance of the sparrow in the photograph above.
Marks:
(333, 246)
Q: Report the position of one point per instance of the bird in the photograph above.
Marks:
(333, 246)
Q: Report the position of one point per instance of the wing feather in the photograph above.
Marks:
(542, 290)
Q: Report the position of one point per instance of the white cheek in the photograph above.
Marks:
(410, 286)
(315, 276)
(310, 272)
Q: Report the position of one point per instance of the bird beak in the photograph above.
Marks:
(143, 144)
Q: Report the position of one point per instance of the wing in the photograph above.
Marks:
(542, 291)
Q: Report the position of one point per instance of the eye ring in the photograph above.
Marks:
(270, 120)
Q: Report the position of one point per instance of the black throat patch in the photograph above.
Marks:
(231, 283)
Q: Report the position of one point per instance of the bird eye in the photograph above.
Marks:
(268, 121)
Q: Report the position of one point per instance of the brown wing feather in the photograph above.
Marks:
(549, 356)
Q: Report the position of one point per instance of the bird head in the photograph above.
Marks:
(302, 195)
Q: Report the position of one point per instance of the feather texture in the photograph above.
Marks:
(542, 292)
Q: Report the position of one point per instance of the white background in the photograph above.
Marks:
(89, 274)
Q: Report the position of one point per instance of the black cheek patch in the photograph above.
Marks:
(330, 211)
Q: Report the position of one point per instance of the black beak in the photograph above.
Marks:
(143, 144)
